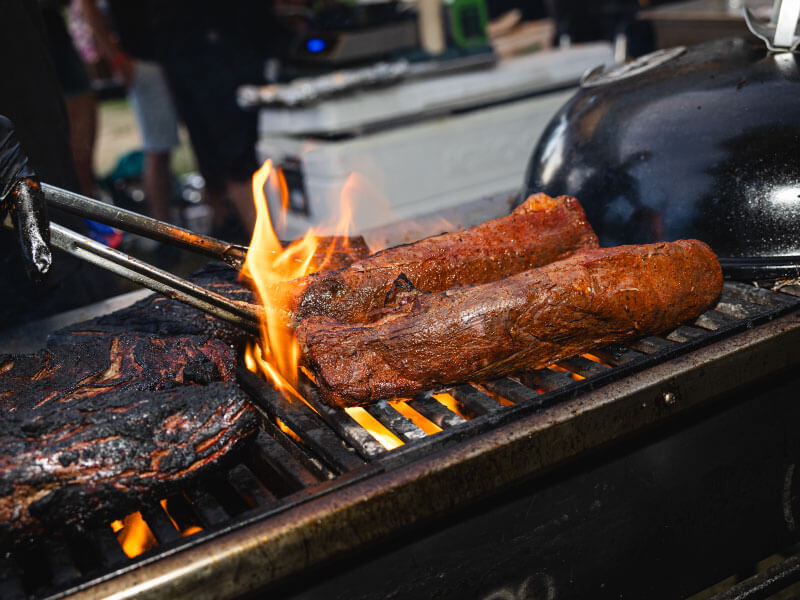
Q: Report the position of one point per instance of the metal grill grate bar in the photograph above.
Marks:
(684, 333)
(300, 418)
(158, 521)
(755, 295)
(512, 390)
(584, 367)
(210, 511)
(436, 412)
(474, 401)
(737, 308)
(357, 436)
(278, 468)
(108, 548)
(395, 422)
(547, 380)
(250, 488)
(651, 345)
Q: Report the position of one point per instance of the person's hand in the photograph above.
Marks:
(21, 196)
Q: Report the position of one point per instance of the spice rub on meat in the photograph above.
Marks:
(117, 411)
(538, 232)
(523, 322)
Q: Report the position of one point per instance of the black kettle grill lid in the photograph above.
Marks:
(700, 142)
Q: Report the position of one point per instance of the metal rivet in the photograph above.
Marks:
(670, 398)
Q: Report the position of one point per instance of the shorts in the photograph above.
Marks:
(152, 104)
(70, 70)
(205, 73)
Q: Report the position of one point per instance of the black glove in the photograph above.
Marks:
(21, 196)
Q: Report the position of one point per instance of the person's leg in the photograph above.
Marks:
(241, 195)
(158, 184)
(158, 122)
(82, 113)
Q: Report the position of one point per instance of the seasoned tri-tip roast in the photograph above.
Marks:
(478, 333)
(538, 232)
(116, 411)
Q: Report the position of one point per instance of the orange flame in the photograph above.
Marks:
(288, 430)
(134, 535)
(268, 265)
(425, 424)
(375, 428)
(452, 404)
(186, 531)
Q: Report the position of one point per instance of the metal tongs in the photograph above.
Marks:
(242, 314)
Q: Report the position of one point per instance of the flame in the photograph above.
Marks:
(283, 190)
(493, 395)
(134, 535)
(560, 369)
(426, 425)
(268, 264)
(452, 404)
(186, 531)
(288, 431)
(596, 359)
(375, 428)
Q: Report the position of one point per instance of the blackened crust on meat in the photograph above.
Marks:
(117, 410)
(96, 456)
(523, 322)
(64, 373)
(538, 232)
(157, 315)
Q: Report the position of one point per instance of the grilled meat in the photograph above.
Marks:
(118, 410)
(335, 252)
(159, 316)
(526, 321)
(71, 462)
(538, 232)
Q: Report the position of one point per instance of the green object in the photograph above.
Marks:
(467, 20)
(129, 166)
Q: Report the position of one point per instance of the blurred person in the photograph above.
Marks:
(80, 99)
(38, 145)
(129, 49)
(208, 49)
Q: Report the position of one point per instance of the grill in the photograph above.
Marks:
(315, 490)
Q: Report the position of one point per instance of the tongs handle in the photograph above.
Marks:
(231, 254)
(242, 314)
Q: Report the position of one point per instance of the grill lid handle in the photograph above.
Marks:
(779, 33)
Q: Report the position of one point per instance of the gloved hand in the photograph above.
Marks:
(22, 197)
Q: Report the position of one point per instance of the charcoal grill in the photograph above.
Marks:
(596, 476)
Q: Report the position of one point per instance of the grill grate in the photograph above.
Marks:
(305, 450)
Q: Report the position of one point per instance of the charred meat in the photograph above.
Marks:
(538, 232)
(478, 333)
(116, 411)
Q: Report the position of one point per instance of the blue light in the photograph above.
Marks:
(315, 45)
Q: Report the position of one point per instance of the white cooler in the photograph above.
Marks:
(422, 155)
